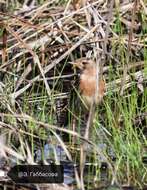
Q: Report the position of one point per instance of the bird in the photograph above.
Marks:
(92, 89)
(91, 84)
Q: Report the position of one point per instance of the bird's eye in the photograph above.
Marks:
(85, 62)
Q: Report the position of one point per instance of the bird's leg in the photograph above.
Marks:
(83, 148)
(74, 130)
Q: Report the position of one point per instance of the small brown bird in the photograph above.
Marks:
(92, 86)
(92, 89)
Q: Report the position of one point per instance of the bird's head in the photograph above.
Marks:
(83, 64)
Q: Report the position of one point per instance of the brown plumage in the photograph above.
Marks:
(92, 86)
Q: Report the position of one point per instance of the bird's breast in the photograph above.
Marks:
(88, 88)
(88, 85)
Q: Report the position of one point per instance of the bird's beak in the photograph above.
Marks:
(74, 64)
